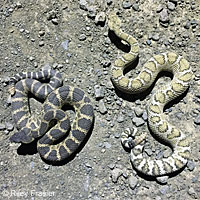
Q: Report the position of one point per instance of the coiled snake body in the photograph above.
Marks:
(55, 96)
(157, 120)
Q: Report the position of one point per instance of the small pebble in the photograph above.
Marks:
(55, 21)
(82, 37)
(83, 4)
(171, 6)
(133, 181)
(107, 145)
(115, 174)
(126, 4)
(2, 126)
(135, 7)
(100, 18)
(9, 126)
(102, 107)
(98, 91)
(191, 165)
(138, 111)
(41, 43)
(159, 8)
(155, 37)
(138, 121)
(46, 167)
(197, 120)
(65, 44)
(164, 17)
(120, 118)
(164, 189)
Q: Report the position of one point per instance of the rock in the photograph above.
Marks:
(155, 37)
(65, 44)
(126, 4)
(120, 118)
(41, 43)
(92, 12)
(115, 174)
(135, 7)
(83, 4)
(187, 24)
(164, 189)
(102, 107)
(164, 17)
(190, 165)
(82, 37)
(148, 151)
(138, 111)
(159, 8)
(107, 145)
(9, 126)
(100, 18)
(192, 193)
(171, 5)
(144, 116)
(197, 120)
(98, 91)
(55, 21)
(46, 167)
(109, 2)
(138, 121)
(133, 181)
(2, 126)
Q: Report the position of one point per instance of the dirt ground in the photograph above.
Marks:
(73, 38)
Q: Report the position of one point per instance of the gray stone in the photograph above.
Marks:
(170, 5)
(41, 43)
(163, 180)
(192, 193)
(107, 145)
(155, 37)
(126, 4)
(197, 120)
(98, 91)
(109, 2)
(2, 126)
(164, 189)
(65, 44)
(82, 37)
(115, 174)
(144, 116)
(55, 21)
(102, 107)
(133, 181)
(9, 126)
(92, 12)
(164, 17)
(120, 118)
(83, 4)
(135, 7)
(46, 167)
(138, 111)
(190, 165)
(100, 18)
(148, 151)
(187, 24)
(159, 8)
(138, 121)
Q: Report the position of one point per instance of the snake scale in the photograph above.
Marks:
(157, 120)
(51, 145)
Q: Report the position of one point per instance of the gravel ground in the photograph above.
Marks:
(72, 37)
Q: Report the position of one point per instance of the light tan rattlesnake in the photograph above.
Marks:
(157, 120)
